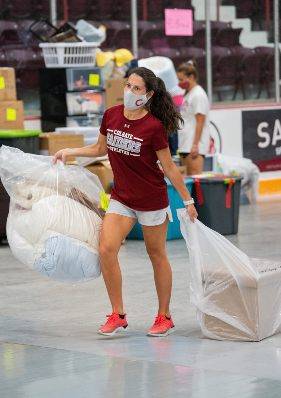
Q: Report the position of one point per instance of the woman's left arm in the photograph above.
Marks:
(200, 121)
(171, 171)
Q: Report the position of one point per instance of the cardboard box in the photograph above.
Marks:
(7, 84)
(114, 92)
(104, 172)
(11, 115)
(50, 143)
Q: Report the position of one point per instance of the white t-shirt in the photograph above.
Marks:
(195, 101)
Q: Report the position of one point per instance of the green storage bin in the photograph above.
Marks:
(25, 140)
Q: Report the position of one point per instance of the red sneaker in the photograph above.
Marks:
(113, 324)
(162, 327)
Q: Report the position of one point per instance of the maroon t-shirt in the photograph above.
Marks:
(132, 146)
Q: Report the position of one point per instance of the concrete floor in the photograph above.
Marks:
(49, 346)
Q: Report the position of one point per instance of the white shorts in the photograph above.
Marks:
(147, 218)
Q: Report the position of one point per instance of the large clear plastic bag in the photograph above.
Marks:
(237, 297)
(54, 218)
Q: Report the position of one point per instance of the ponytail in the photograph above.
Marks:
(161, 104)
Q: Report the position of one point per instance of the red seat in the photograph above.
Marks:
(145, 53)
(180, 41)
(122, 10)
(42, 9)
(166, 52)
(268, 68)
(180, 4)
(219, 25)
(228, 37)
(155, 10)
(253, 9)
(112, 28)
(4, 9)
(76, 9)
(123, 37)
(10, 37)
(19, 9)
(151, 37)
(226, 73)
(24, 57)
(199, 37)
(252, 71)
(101, 10)
(217, 53)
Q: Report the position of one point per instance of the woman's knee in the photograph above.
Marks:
(107, 250)
(157, 255)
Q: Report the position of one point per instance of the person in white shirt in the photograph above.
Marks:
(194, 137)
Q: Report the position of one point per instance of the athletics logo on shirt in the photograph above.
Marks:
(122, 142)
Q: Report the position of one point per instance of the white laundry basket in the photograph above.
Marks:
(61, 55)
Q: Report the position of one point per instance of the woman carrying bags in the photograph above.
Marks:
(135, 136)
(194, 137)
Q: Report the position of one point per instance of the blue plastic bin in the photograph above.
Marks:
(175, 203)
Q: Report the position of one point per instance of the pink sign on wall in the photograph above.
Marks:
(178, 22)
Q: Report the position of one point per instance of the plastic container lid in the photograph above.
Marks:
(87, 131)
(216, 178)
(19, 133)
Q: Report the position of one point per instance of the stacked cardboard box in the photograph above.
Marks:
(50, 143)
(11, 110)
(114, 89)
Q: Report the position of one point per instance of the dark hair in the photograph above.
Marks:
(161, 104)
(189, 68)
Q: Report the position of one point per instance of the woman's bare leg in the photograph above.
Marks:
(115, 228)
(155, 242)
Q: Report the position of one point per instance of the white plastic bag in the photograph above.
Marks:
(54, 219)
(232, 165)
(237, 297)
(164, 68)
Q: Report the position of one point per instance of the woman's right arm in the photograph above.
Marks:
(94, 150)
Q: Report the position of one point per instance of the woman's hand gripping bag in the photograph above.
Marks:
(55, 218)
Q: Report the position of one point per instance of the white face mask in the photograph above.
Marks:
(134, 101)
